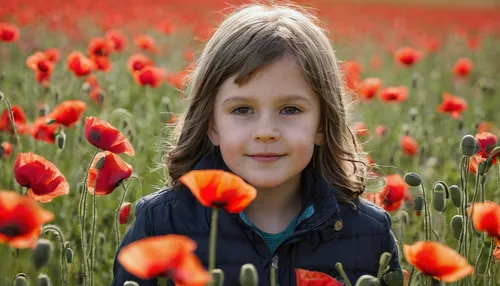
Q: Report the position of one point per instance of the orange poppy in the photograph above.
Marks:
(79, 64)
(486, 218)
(145, 42)
(360, 129)
(486, 142)
(395, 188)
(462, 67)
(220, 189)
(408, 56)
(52, 54)
(44, 180)
(105, 136)
(124, 213)
(453, 105)
(485, 126)
(149, 75)
(314, 278)
(409, 145)
(137, 62)
(168, 255)
(352, 72)
(68, 112)
(5, 149)
(8, 32)
(369, 87)
(19, 119)
(21, 220)
(394, 94)
(43, 131)
(113, 171)
(178, 79)
(437, 260)
(117, 40)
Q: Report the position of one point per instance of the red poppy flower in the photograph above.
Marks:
(437, 260)
(496, 252)
(408, 56)
(113, 171)
(21, 220)
(42, 66)
(124, 213)
(314, 278)
(117, 40)
(145, 42)
(137, 62)
(5, 149)
(409, 145)
(394, 94)
(462, 67)
(52, 54)
(68, 112)
(394, 189)
(473, 43)
(169, 255)
(486, 141)
(92, 81)
(99, 47)
(178, 79)
(103, 135)
(101, 63)
(79, 64)
(149, 75)
(352, 72)
(486, 218)
(375, 62)
(217, 188)
(8, 33)
(453, 105)
(432, 45)
(166, 27)
(381, 130)
(485, 126)
(97, 95)
(19, 119)
(369, 87)
(43, 131)
(44, 180)
(360, 129)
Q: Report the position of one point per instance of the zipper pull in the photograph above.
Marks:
(274, 270)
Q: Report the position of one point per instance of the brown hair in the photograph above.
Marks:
(251, 37)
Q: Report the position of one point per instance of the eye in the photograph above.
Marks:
(242, 110)
(290, 110)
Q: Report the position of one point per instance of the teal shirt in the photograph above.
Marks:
(273, 239)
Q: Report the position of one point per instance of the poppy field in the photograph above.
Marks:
(90, 92)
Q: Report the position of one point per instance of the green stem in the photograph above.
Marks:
(487, 277)
(427, 219)
(11, 117)
(213, 242)
(92, 239)
(117, 229)
(57, 231)
(140, 185)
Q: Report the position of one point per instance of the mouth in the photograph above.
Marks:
(266, 157)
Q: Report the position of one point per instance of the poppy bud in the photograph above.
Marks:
(482, 168)
(42, 253)
(384, 260)
(456, 226)
(44, 110)
(413, 179)
(248, 275)
(130, 283)
(418, 205)
(413, 112)
(456, 196)
(61, 140)
(86, 87)
(21, 280)
(100, 163)
(394, 278)
(217, 277)
(367, 280)
(469, 145)
(438, 199)
(69, 255)
(44, 280)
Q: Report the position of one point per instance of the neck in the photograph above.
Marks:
(274, 208)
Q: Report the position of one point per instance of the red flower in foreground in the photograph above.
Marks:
(21, 220)
(169, 255)
(8, 33)
(79, 64)
(453, 105)
(408, 56)
(124, 213)
(117, 40)
(219, 189)
(486, 142)
(137, 62)
(437, 260)
(314, 278)
(486, 218)
(369, 87)
(409, 145)
(44, 180)
(394, 94)
(112, 172)
(395, 188)
(103, 135)
(68, 112)
(5, 149)
(43, 131)
(462, 67)
(149, 75)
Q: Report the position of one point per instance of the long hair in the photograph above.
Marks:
(250, 38)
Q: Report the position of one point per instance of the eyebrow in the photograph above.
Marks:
(290, 97)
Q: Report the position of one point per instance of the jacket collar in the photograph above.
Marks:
(316, 191)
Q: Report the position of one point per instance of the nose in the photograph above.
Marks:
(267, 133)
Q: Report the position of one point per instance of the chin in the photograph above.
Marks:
(265, 181)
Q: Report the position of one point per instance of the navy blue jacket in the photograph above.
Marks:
(355, 234)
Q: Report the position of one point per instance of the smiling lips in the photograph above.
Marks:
(266, 157)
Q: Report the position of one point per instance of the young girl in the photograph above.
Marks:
(266, 102)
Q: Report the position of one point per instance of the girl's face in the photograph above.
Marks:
(267, 128)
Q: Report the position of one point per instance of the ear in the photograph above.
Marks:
(213, 133)
(320, 137)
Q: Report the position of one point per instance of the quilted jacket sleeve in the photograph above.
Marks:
(394, 272)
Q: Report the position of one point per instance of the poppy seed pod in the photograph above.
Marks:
(61, 140)
(456, 226)
(21, 280)
(248, 275)
(394, 278)
(469, 145)
(367, 280)
(413, 179)
(42, 253)
(130, 283)
(44, 280)
(384, 260)
(456, 196)
(438, 198)
(69, 255)
(217, 277)
(418, 205)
